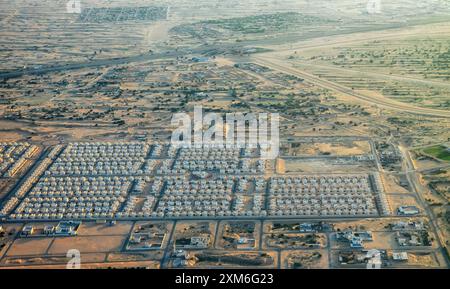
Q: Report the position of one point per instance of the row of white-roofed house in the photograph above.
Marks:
(242, 185)
(324, 206)
(238, 205)
(149, 166)
(11, 149)
(195, 197)
(67, 204)
(326, 179)
(149, 203)
(139, 184)
(12, 166)
(354, 190)
(260, 184)
(93, 166)
(4, 164)
(248, 166)
(166, 168)
(137, 194)
(211, 145)
(33, 178)
(53, 154)
(20, 162)
(131, 211)
(382, 199)
(226, 166)
(194, 206)
(258, 205)
(72, 197)
(25, 187)
(249, 152)
(322, 212)
(105, 150)
(130, 204)
(83, 185)
(181, 186)
(16, 166)
(316, 184)
(280, 185)
(157, 150)
(9, 205)
(13, 156)
(325, 201)
(157, 185)
(343, 206)
(172, 151)
(208, 154)
(223, 166)
(172, 167)
(324, 196)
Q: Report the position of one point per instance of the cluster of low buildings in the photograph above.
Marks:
(74, 197)
(194, 243)
(9, 204)
(408, 210)
(13, 157)
(413, 238)
(100, 159)
(137, 180)
(339, 195)
(146, 241)
(355, 239)
(62, 229)
(206, 198)
(217, 159)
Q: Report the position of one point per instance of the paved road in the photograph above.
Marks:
(374, 75)
(207, 49)
(419, 189)
(167, 250)
(232, 218)
(279, 65)
(90, 64)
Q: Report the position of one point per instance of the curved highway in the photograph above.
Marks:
(381, 102)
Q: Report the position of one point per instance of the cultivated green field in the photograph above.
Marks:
(440, 152)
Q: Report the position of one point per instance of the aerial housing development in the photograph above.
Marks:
(352, 98)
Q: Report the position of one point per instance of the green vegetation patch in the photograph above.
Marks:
(439, 151)
(266, 22)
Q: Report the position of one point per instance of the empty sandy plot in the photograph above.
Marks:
(29, 246)
(310, 259)
(382, 240)
(422, 259)
(88, 244)
(137, 256)
(94, 229)
(396, 201)
(310, 165)
(337, 149)
(392, 184)
(90, 265)
(51, 260)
